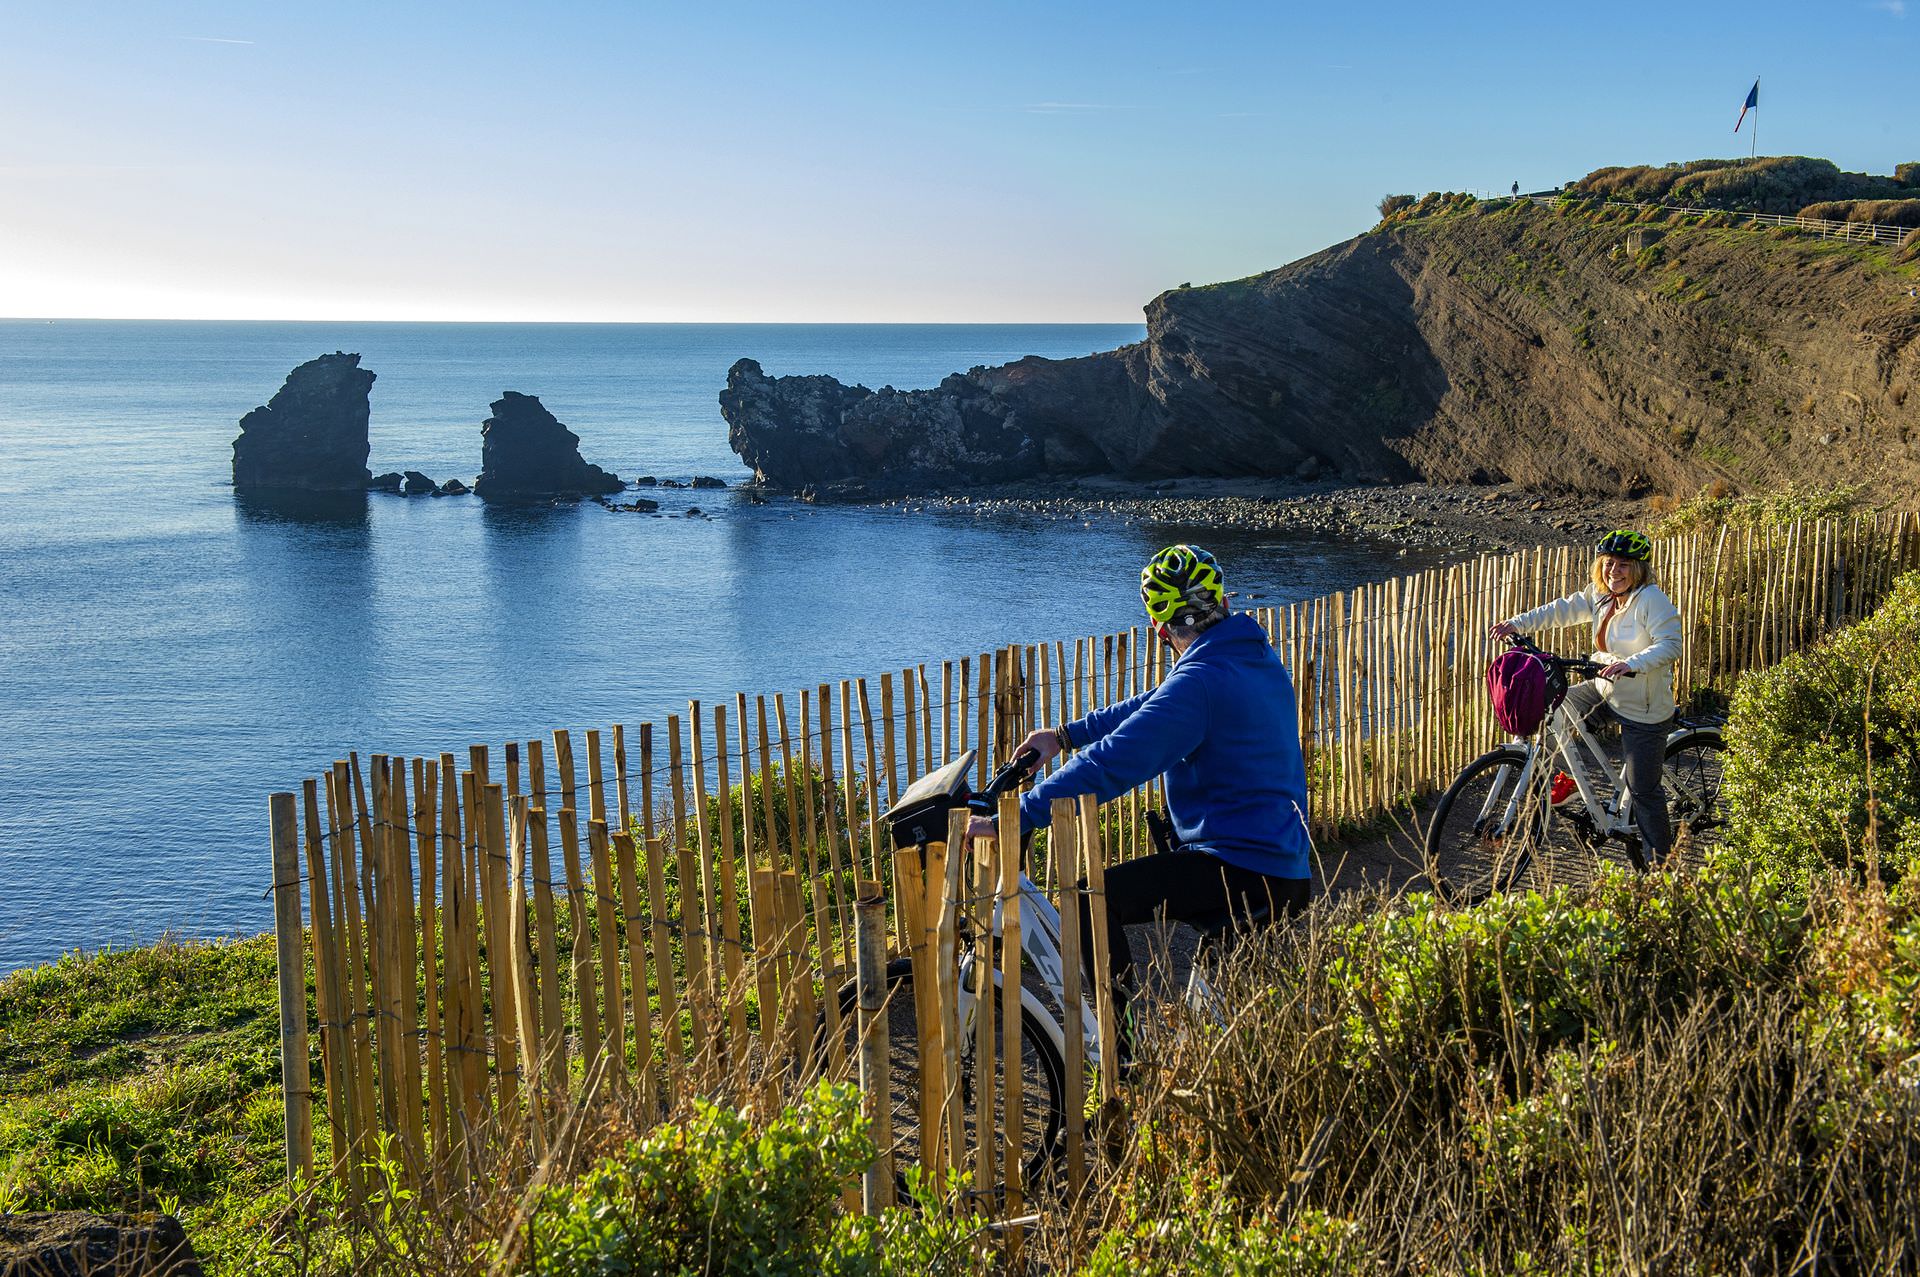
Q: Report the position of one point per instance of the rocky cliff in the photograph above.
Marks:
(527, 455)
(1552, 346)
(312, 435)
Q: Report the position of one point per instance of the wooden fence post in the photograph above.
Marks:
(730, 937)
(870, 947)
(1094, 855)
(1013, 1114)
(520, 970)
(327, 981)
(1066, 840)
(980, 891)
(947, 968)
(295, 1075)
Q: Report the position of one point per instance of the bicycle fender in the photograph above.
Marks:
(1030, 1002)
(1679, 734)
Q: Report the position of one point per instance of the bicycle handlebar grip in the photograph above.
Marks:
(1021, 766)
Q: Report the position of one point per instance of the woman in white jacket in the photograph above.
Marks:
(1636, 630)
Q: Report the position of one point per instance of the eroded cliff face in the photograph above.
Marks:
(1529, 345)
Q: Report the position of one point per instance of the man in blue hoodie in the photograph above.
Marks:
(1224, 729)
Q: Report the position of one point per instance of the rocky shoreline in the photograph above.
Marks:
(1465, 518)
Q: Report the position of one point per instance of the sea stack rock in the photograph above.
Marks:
(312, 435)
(527, 455)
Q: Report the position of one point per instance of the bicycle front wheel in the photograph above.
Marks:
(1486, 834)
(1694, 769)
(1043, 1084)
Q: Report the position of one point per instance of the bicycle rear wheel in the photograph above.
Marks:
(1485, 836)
(1691, 780)
(1042, 1080)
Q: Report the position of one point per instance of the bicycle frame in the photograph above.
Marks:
(1609, 819)
(1040, 946)
(1566, 736)
(1568, 739)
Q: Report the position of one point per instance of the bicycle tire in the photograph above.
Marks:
(1691, 780)
(1470, 857)
(1043, 1076)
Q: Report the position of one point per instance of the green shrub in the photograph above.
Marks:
(1391, 204)
(716, 1194)
(1770, 184)
(1205, 1230)
(1882, 212)
(1715, 507)
(1526, 1085)
(1824, 770)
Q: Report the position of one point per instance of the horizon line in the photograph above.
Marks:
(605, 323)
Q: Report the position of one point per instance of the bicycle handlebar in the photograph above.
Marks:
(1571, 664)
(1012, 774)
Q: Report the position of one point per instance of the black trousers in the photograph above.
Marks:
(1184, 886)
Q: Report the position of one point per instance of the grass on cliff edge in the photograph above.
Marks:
(146, 1079)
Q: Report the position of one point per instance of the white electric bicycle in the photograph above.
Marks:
(1544, 807)
(920, 817)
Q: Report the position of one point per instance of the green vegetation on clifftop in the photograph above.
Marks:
(146, 1079)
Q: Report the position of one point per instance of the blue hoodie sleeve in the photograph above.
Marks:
(1095, 726)
(1164, 727)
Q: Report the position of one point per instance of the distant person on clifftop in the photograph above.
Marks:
(1516, 187)
(1224, 729)
(1636, 631)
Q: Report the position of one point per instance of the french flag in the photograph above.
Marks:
(1752, 103)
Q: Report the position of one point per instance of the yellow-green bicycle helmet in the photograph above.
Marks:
(1181, 585)
(1626, 545)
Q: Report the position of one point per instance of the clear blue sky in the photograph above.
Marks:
(838, 162)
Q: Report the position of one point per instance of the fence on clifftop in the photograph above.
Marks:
(702, 922)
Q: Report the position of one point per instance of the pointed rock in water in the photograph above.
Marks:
(312, 435)
(708, 481)
(416, 483)
(391, 481)
(452, 488)
(527, 455)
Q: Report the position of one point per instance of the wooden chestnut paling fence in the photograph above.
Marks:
(717, 873)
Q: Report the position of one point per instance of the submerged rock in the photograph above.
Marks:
(708, 481)
(388, 482)
(527, 455)
(312, 435)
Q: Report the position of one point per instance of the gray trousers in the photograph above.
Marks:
(1643, 748)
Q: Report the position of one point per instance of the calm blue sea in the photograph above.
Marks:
(169, 654)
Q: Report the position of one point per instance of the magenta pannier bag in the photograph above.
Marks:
(1521, 688)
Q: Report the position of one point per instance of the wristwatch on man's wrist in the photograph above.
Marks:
(1062, 741)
